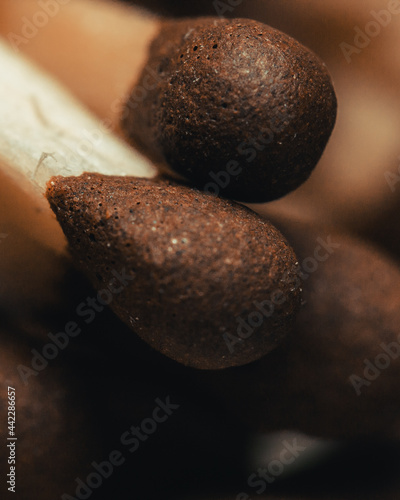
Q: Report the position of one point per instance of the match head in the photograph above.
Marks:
(234, 106)
(202, 279)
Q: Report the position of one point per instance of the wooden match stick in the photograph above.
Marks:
(234, 106)
(44, 131)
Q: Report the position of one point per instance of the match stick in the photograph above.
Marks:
(44, 131)
(234, 106)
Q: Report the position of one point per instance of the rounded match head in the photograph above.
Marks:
(234, 106)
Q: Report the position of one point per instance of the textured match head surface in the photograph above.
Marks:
(200, 268)
(323, 381)
(234, 106)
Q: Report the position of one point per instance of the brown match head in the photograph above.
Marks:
(234, 106)
(339, 375)
(201, 279)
